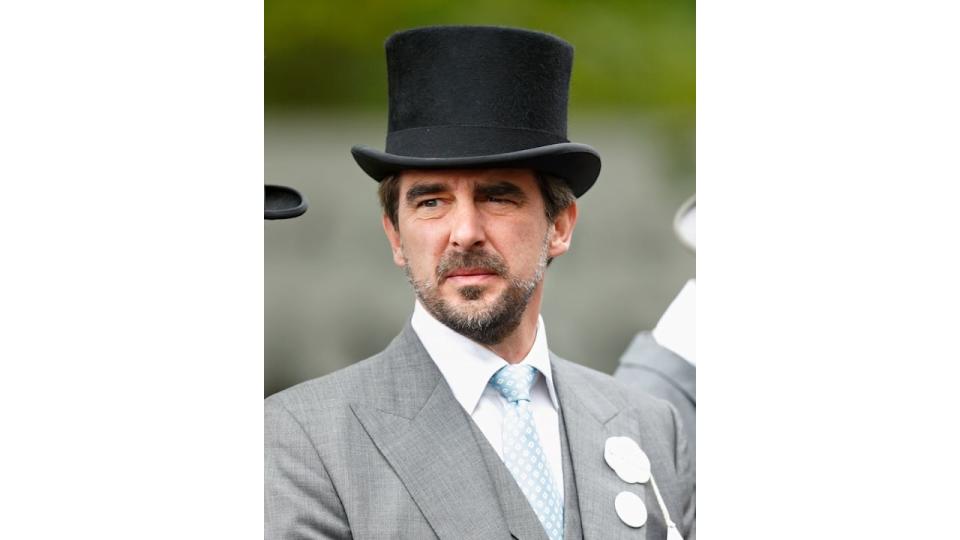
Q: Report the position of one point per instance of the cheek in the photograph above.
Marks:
(421, 249)
(521, 243)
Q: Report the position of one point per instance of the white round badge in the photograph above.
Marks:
(631, 509)
(627, 459)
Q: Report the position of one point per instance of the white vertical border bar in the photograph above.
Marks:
(827, 269)
(132, 143)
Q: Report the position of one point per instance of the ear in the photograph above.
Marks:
(393, 235)
(563, 231)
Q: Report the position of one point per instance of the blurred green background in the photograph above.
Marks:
(332, 294)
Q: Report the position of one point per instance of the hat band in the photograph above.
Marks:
(466, 141)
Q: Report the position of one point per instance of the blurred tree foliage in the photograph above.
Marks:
(630, 54)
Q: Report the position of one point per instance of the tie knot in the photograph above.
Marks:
(514, 382)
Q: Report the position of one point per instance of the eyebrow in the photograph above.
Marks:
(420, 190)
(501, 189)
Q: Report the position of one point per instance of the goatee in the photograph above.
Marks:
(490, 325)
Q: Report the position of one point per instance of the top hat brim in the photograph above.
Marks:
(282, 202)
(577, 164)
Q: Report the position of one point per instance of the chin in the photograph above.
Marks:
(475, 295)
(471, 300)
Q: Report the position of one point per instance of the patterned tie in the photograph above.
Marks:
(522, 452)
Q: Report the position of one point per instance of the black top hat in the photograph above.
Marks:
(479, 97)
(281, 202)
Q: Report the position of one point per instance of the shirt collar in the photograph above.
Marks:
(466, 365)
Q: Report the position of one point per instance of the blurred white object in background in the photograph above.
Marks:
(677, 328)
(685, 223)
(662, 362)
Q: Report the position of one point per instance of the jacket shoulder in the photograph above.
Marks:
(621, 395)
(331, 391)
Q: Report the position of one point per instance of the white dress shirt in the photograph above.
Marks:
(468, 366)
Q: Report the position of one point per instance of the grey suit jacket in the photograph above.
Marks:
(651, 368)
(382, 449)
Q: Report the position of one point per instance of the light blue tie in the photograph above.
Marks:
(522, 452)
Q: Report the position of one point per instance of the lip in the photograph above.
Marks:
(470, 272)
(470, 275)
(470, 279)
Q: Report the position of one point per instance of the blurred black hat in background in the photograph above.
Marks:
(282, 202)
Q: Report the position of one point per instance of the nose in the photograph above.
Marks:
(466, 229)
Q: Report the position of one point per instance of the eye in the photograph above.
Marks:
(499, 200)
(428, 203)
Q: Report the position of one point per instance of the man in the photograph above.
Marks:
(663, 362)
(466, 426)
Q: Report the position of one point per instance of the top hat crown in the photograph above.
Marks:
(479, 97)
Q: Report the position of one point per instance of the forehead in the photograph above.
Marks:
(453, 178)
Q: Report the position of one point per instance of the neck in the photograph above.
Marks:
(518, 343)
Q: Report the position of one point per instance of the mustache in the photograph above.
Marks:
(455, 260)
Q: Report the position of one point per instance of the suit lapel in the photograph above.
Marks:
(425, 435)
(590, 418)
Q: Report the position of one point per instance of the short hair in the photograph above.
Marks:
(557, 196)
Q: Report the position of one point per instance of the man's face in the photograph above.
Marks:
(474, 244)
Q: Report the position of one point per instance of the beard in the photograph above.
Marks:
(490, 324)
